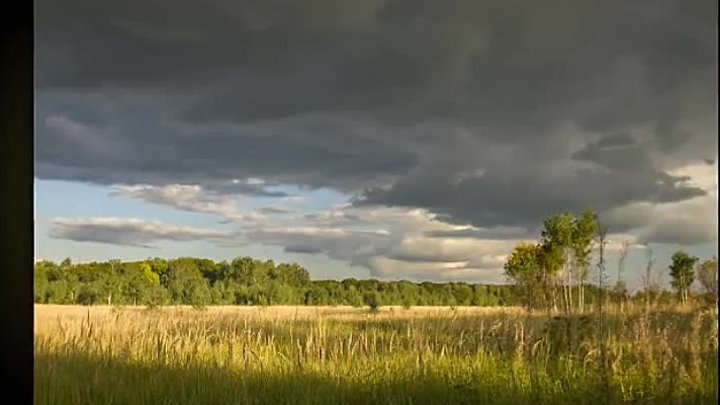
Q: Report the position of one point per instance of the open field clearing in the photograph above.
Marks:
(43, 312)
(339, 355)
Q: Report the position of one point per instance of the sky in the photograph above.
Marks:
(395, 139)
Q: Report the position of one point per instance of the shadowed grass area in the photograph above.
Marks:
(482, 380)
(161, 357)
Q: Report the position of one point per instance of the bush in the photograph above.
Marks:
(372, 300)
(87, 295)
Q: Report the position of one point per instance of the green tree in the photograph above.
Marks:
(557, 244)
(41, 283)
(152, 277)
(584, 232)
(156, 296)
(463, 293)
(112, 283)
(280, 294)
(316, 295)
(682, 272)
(88, 294)
(708, 278)
(135, 288)
(372, 300)
(525, 267)
(351, 294)
(186, 284)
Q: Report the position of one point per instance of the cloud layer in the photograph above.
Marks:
(488, 115)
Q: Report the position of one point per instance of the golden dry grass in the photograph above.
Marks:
(345, 355)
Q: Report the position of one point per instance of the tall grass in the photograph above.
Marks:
(349, 356)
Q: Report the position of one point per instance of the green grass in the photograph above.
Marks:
(195, 357)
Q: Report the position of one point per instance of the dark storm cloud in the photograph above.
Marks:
(521, 200)
(124, 145)
(490, 113)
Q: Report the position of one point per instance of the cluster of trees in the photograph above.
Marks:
(686, 269)
(243, 281)
(554, 272)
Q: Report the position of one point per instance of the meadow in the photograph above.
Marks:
(345, 355)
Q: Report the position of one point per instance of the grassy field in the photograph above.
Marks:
(343, 355)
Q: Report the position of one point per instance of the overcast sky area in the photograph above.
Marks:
(397, 139)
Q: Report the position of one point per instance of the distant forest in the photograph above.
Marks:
(246, 281)
(243, 281)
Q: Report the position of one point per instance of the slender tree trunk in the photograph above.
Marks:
(648, 269)
(565, 293)
(570, 294)
(582, 286)
(564, 287)
(578, 285)
(561, 282)
(544, 284)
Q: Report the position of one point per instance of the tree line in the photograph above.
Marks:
(242, 281)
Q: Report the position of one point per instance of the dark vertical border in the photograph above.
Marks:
(16, 201)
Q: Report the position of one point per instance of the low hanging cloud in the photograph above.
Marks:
(450, 271)
(390, 242)
(128, 231)
(194, 198)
